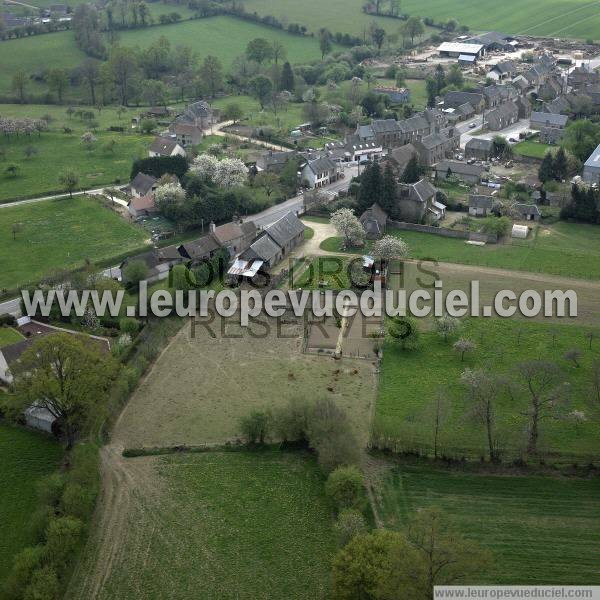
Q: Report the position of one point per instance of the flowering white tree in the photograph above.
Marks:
(231, 172)
(446, 326)
(348, 227)
(389, 248)
(205, 165)
(169, 194)
(88, 139)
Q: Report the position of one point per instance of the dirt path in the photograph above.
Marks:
(218, 130)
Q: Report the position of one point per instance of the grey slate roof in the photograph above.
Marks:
(385, 126)
(264, 248)
(480, 201)
(460, 168)
(199, 248)
(321, 165)
(142, 183)
(550, 119)
(479, 144)
(421, 191)
(527, 209)
(594, 158)
(163, 146)
(284, 230)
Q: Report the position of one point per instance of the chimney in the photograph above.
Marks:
(212, 227)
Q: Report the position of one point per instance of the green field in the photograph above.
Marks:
(60, 234)
(409, 382)
(564, 18)
(223, 525)
(26, 458)
(567, 249)
(58, 152)
(541, 530)
(9, 336)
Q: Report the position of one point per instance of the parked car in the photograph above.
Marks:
(472, 125)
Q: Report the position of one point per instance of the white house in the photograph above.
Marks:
(319, 172)
(165, 147)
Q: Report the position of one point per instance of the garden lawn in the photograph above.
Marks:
(9, 336)
(61, 234)
(57, 153)
(27, 457)
(410, 380)
(532, 148)
(221, 525)
(566, 249)
(540, 530)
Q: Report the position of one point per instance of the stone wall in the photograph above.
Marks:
(444, 232)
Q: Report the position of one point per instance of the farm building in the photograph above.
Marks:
(142, 206)
(158, 261)
(528, 212)
(591, 168)
(503, 70)
(464, 49)
(186, 134)
(480, 205)
(274, 162)
(492, 40)
(417, 201)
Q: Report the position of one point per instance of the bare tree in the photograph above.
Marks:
(16, 228)
(590, 337)
(595, 381)
(437, 413)
(483, 390)
(546, 393)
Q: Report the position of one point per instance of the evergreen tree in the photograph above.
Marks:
(388, 196)
(286, 82)
(559, 165)
(370, 187)
(440, 77)
(546, 170)
(412, 171)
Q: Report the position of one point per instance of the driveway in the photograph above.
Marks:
(512, 131)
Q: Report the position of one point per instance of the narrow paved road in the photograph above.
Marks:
(54, 196)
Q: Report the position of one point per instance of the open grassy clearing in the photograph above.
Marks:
(201, 386)
(27, 457)
(9, 336)
(60, 234)
(565, 249)
(214, 525)
(564, 18)
(541, 530)
(409, 381)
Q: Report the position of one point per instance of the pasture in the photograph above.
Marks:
(213, 525)
(60, 234)
(201, 386)
(410, 380)
(563, 249)
(27, 457)
(38, 174)
(222, 36)
(558, 18)
(541, 530)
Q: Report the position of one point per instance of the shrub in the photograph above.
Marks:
(129, 325)
(62, 536)
(24, 564)
(349, 524)
(255, 426)
(345, 487)
(44, 585)
(50, 489)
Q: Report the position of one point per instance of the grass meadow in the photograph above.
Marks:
(562, 18)
(26, 458)
(60, 234)
(565, 249)
(219, 525)
(540, 530)
(532, 148)
(409, 382)
(9, 336)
